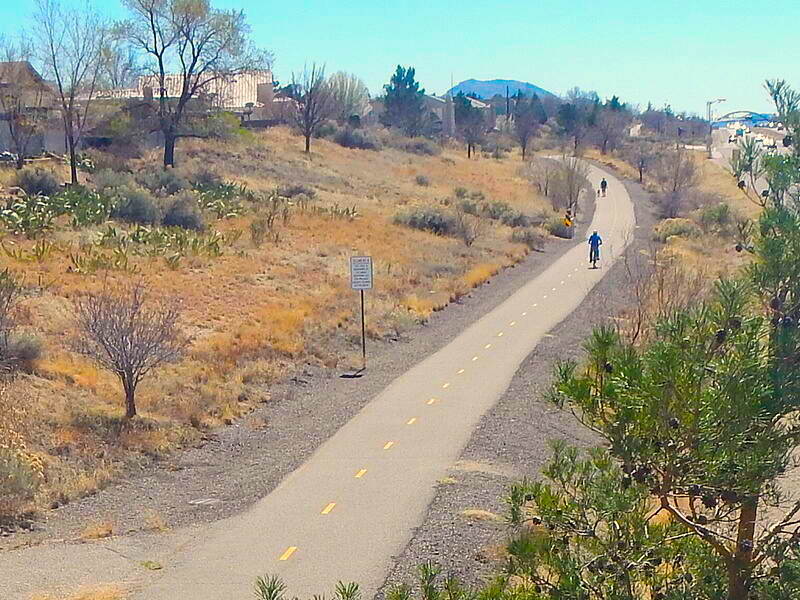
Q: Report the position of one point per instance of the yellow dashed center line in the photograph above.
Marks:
(460, 371)
(431, 401)
(535, 305)
(445, 386)
(545, 296)
(328, 508)
(500, 334)
(523, 314)
(487, 346)
(361, 473)
(289, 551)
(388, 445)
(562, 283)
(474, 358)
(553, 290)
(411, 421)
(512, 323)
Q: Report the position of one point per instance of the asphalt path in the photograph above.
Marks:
(345, 512)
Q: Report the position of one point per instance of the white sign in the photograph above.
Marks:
(361, 272)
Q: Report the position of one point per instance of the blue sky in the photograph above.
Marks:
(679, 51)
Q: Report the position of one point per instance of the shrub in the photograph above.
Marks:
(204, 179)
(495, 210)
(163, 182)
(468, 228)
(428, 219)
(500, 211)
(296, 189)
(22, 352)
(258, 231)
(18, 479)
(329, 130)
(555, 226)
(460, 193)
(357, 138)
(106, 180)
(718, 216)
(135, 205)
(470, 207)
(421, 146)
(183, 212)
(37, 181)
(514, 218)
(675, 227)
(530, 237)
(423, 181)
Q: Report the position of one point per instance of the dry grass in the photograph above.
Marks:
(254, 313)
(153, 521)
(97, 531)
(477, 514)
(614, 163)
(103, 592)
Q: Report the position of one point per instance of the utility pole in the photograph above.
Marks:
(710, 124)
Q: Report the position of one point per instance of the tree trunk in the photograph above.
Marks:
(308, 143)
(130, 402)
(605, 146)
(20, 160)
(523, 151)
(740, 566)
(73, 160)
(641, 174)
(169, 150)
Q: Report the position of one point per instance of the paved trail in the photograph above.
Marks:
(348, 509)
(345, 512)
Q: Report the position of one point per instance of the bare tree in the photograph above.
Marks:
(120, 63)
(22, 96)
(542, 172)
(208, 47)
(569, 183)
(129, 335)
(350, 96)
(468, 227)
(69, 44)
(611, 126)
(315, 102)
(528, 117)
(642, 154)
(676, 173)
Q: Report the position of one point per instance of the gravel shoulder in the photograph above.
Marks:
(464, 529)
(239, 464)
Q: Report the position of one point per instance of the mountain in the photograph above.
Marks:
(487, 89)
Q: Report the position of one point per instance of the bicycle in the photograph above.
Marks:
(594, 256)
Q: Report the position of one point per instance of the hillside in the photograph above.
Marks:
(256, 305)
(488, 89)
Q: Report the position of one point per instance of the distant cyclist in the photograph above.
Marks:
(595, 241)
(603, 186)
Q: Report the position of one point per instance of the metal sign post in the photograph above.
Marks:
(361, 279)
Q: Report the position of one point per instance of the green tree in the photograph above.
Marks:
(529, 115)
(470, 122)
(577, 115)
(404, 102)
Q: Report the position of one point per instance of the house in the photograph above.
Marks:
(21, 85)
(244, 94)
